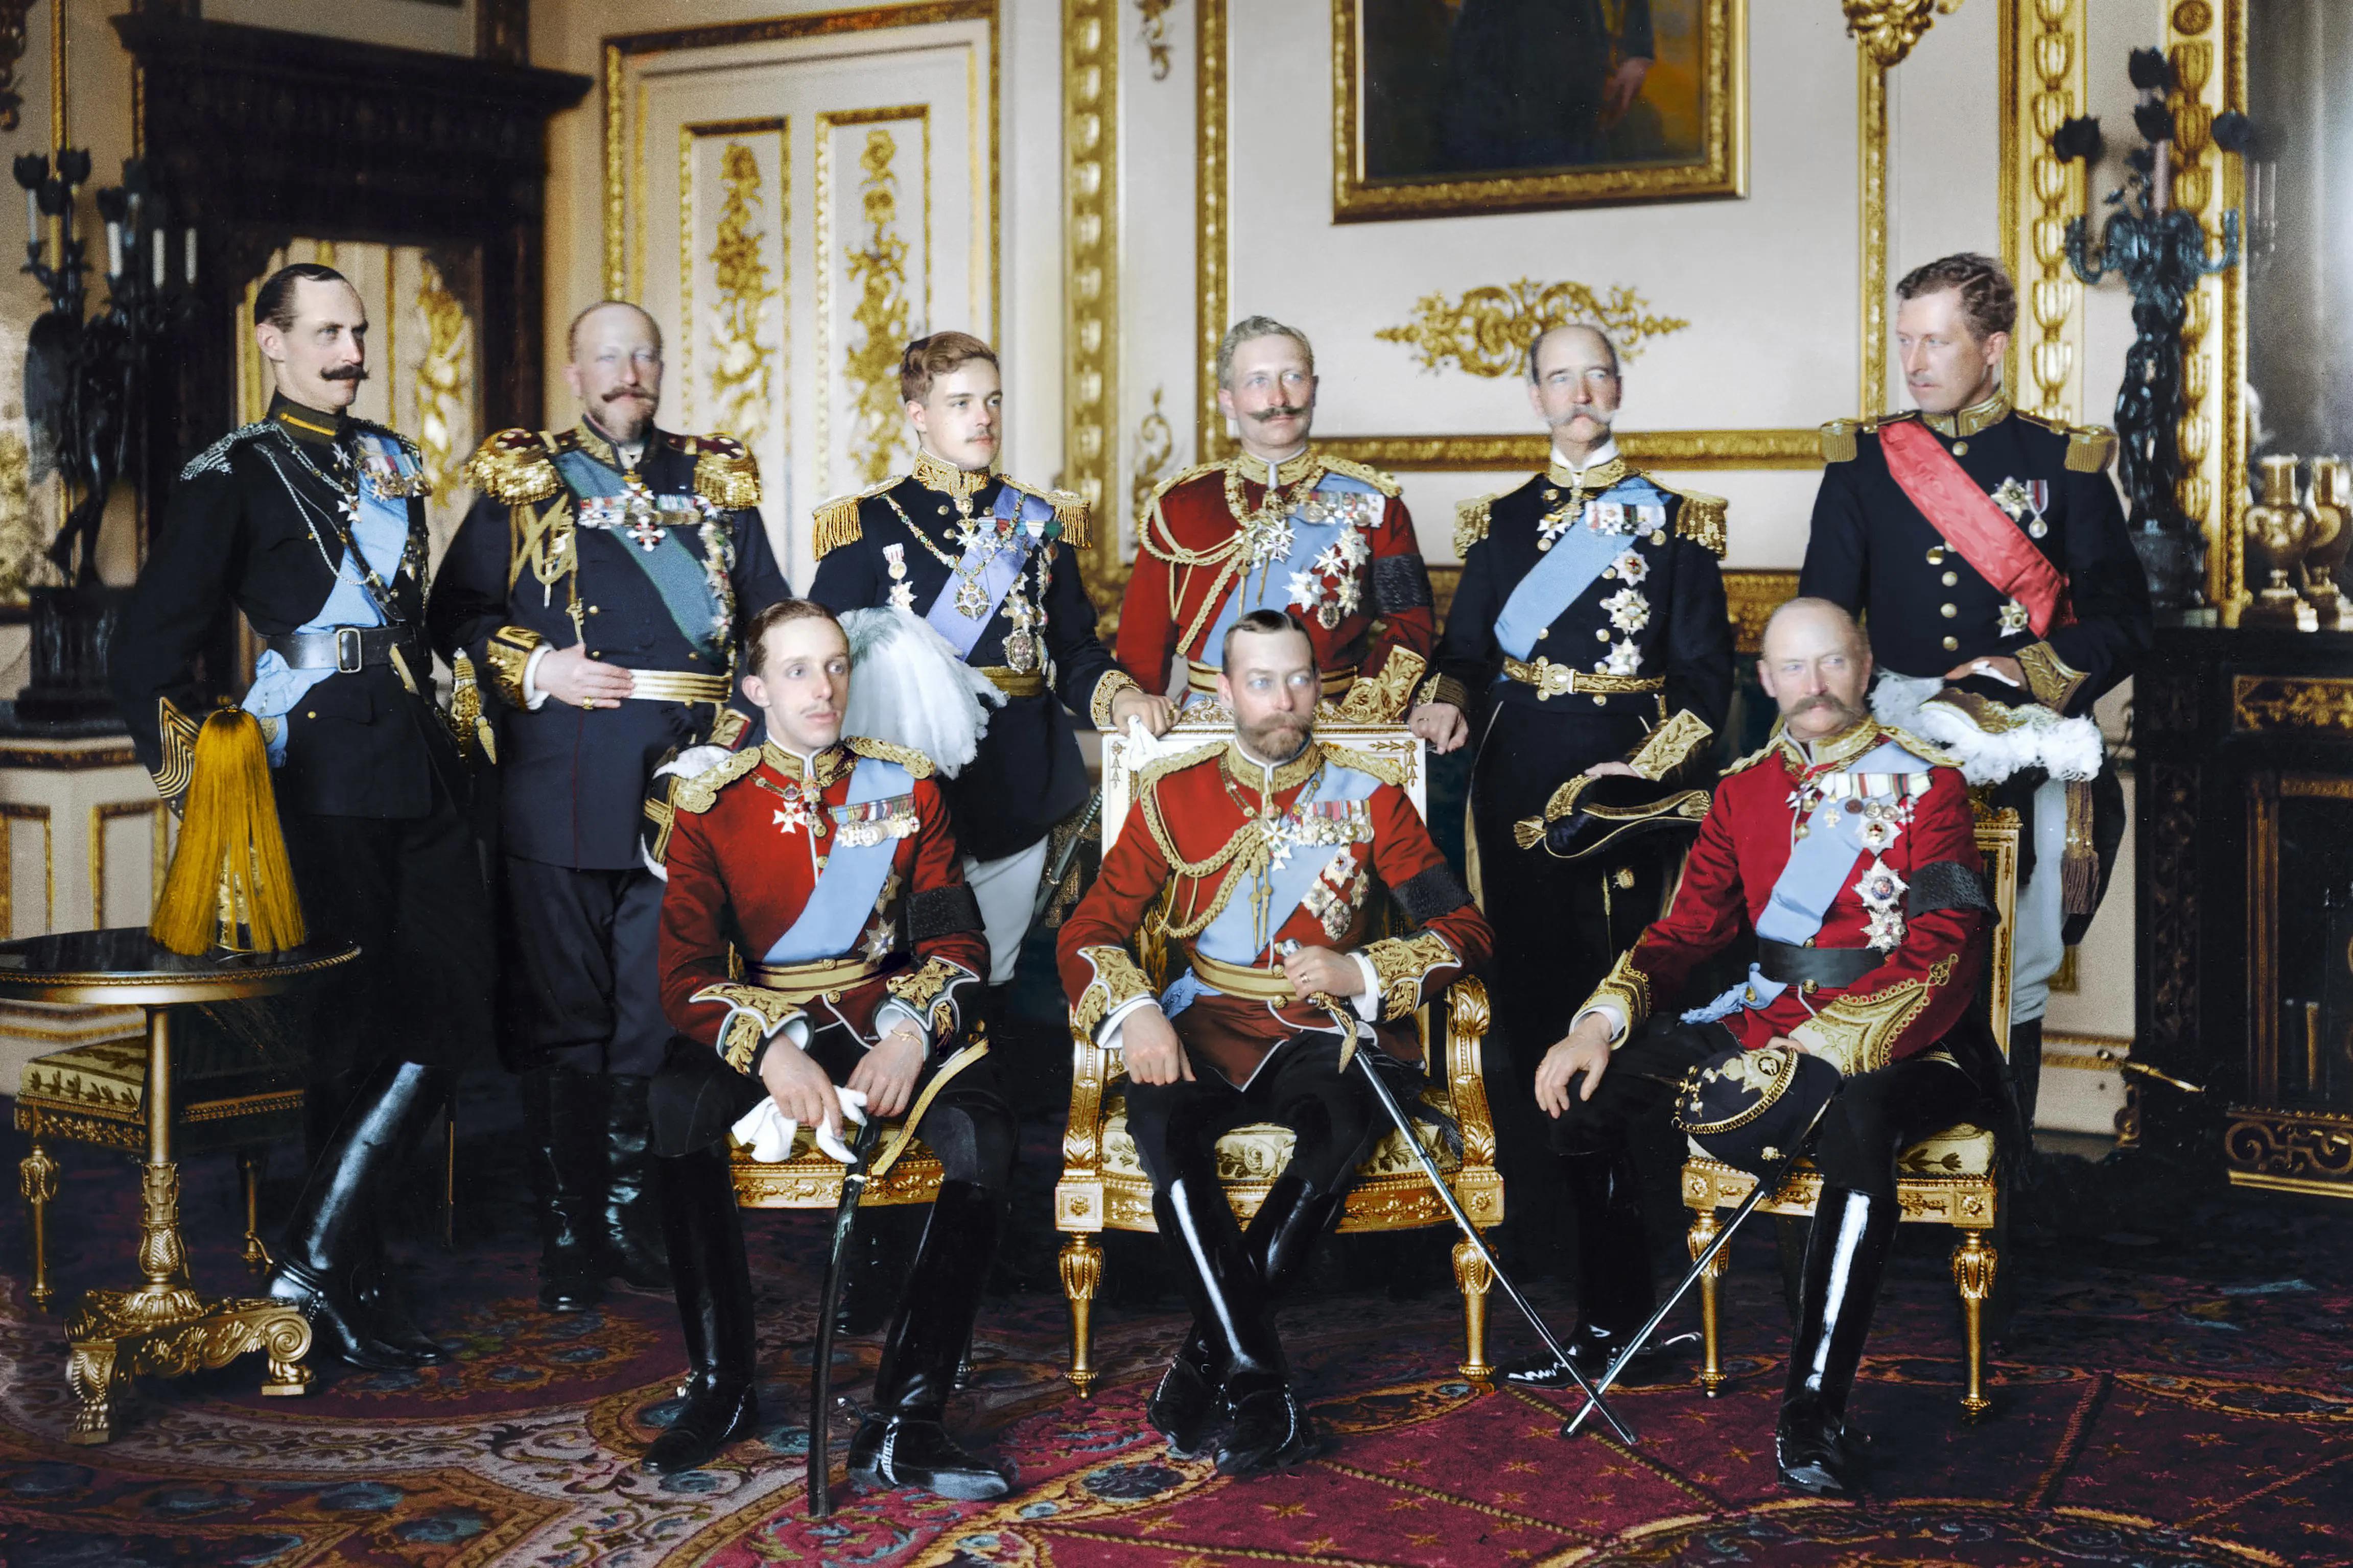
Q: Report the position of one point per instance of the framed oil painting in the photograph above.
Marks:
(1481, 105)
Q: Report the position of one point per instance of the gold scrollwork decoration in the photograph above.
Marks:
(2283, 702)
(441, 377)
(878, 272)
(1750, 598)
(741, 379)
(20, 538)
(1888, 28)
(1156, 454)
(1154, 32)
(2294, 1150)
(1486, 331)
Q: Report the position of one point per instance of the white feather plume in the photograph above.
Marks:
(2065, 748)
(909, 686)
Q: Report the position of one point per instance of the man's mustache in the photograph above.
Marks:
(344, 373)
(619, 392)
(1832, 703)
(1279, 411)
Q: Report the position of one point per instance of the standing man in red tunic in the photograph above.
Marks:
(1269, 846)
(1280, 527)
(825, 863)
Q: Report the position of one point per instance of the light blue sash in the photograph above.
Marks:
(1008, 553)
(676, 571)
(1269, 587)
(843, 899)
(381, 531)
(1232, 938)
(1563, 573)
(1820, 864)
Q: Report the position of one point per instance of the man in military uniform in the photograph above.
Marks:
(1589, 637)
(1270, 846)
(312, 522)
(826, 863)
(1850, 849)
(992, 564)
(1280, 526)
(1987, 551)
(596, 588)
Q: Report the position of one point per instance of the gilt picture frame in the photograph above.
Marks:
(1451, 107)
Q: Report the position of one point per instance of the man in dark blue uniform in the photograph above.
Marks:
(1587, 636)
(1987, 551)
(993, 566)
(597, 589)
(312, 522)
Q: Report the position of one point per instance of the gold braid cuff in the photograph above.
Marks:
(1446, 688)
(1402, 967)
(1667, 748)
(754, 1013)
(1856, 1034)
(508, 652)
(1626, 988)
(1107, 692)
(1383, 699)
(1117, 982)
(2049, 677)
(176, 735)
(922, 989)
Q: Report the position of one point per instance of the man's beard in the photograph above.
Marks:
(624, 415)
(1276, 739)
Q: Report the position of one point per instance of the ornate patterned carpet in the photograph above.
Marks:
(2163, 1399)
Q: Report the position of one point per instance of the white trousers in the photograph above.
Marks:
(1008, 893)
(2035, 946)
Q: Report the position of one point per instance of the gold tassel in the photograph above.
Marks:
(835, 525)
(1078, 524)
(2079, 864)
(229, 869)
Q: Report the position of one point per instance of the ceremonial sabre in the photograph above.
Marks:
(1341, 1015)
(845, 1218)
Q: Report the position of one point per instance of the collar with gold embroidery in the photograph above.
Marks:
(947, 478)
(822, 770)
(1590, 480)
(1269, 782)
(1970, 420)
(315, 426)
(1290, 471)
(586, 437)
(1832, 751)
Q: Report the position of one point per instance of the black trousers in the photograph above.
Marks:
(586, 944)
(1875, 1116)
(696, 1098)
(1333, 1116)
(409, 890)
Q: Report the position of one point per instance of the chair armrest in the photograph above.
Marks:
(1467, 1018)
(1093, 1071)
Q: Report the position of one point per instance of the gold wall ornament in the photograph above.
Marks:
(1091, 271)
(877, 272)
(1154, 32)
(2264, 702)
(1487, 331)
(1156, 455)
(1886, 29)
(2043, 87)
(443, 430)
(1681, 450)
(21, 541)
(2290, 1151)
(743, 371)
(1884, 32)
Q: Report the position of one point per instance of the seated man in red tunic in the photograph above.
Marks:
(1270, 846)
(824, 861)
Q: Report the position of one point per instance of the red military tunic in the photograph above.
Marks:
(1198, 822)
(1197, 541)
(1928, 976)
(742, 862)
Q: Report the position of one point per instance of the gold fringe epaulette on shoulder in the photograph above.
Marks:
(1392, 771)
(1838, 440)
(726, 473)
(700, 793)
(835, 522)
(1471, 520)
(907, 757)
(2090, 449)
(1701, 518)
(514, 466)
(1151, 774)
(1070, 510)
(1385, 483)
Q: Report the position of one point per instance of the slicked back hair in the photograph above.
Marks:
(273, 302)
(1261, 623)
(756, 636)
(1989, 299)
(1249, 328)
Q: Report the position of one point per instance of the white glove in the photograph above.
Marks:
(769, 1132)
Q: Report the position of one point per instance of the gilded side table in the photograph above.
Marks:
(161, 1326)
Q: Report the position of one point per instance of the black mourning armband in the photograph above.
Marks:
(941, 912)
(1946, 885)
(1400, 583)
(1429, 894)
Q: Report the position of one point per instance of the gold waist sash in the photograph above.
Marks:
(802, 983)
(1015, 682)
(1203, 677)
(676, 686)
(1552, 680)
(1242, 980)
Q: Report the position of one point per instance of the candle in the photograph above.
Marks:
(156, 249)
(113, 249)
(191, 239)
(32, 218)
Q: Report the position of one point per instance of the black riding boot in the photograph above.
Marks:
(630, 1235)
(1280, 1237)
(1844, 1257)
(327, 1247)
(902, 1442)
(563, 1137)
(387, 1312)
(1614, 1293)
(1267, 1425)
(714, 1281)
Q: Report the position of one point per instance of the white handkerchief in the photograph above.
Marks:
(768, 1131)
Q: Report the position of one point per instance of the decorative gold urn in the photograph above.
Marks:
(2278, 531)
(2331, 506)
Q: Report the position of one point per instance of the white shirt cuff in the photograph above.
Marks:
(1107, 1031)
(533, 697)
(1367, 999)
(1609, 1012)
(895, 1012)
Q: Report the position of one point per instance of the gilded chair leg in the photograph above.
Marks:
(1703, 1231)
(1475, 1279)
(249, 1175)
(1973, 1271)
(1082, 1263)
(37, 1176)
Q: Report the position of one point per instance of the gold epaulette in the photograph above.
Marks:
(1151, 774)
(1700, 518)
(726, 473)
(1380, 481)
(700, 793)
(1184, 475)
(1471, 521)
(1070, 511)
(514, 466)
(835, 522)
(2090, 449)
(1838, 440)
(1926, 751)
(914, 761)
(1392, 771)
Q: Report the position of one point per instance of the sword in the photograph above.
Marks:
(1059, 867)
(1346, 1020)
(845, 1219)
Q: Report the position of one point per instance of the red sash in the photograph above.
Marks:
(1971, 523)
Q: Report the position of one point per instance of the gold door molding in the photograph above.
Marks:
(1884, 32)
(1091, 417)
(11, 814)
(2043, 86)
(159, 851)
(877, 266)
